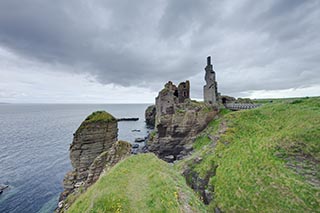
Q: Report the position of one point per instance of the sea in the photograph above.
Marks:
(34, 149)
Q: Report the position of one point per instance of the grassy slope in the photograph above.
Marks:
(141, 183)
(252, 154)
(252, 173)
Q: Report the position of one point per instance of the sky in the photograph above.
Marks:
(124, 51)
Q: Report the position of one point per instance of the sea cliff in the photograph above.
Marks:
(94, 149)
(177, 121)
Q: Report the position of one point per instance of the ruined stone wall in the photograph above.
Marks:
(178, 121)
(183, 91)
(210, 90)
(170, 97)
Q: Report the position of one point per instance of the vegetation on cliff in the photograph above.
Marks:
(96, 117)
(99, 116)
(140, 183)
(260, 160)
(265, 160)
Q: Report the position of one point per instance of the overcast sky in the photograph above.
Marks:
(124, 51)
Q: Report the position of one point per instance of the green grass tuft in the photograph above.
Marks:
(99, 116)
(200, 142)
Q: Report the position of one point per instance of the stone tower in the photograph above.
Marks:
(210, 90)
(183, 91)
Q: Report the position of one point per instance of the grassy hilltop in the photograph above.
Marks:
(259, 160)
(267, 160)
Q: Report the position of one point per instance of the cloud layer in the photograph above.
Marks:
(255, 45)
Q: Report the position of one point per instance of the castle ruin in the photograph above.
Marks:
(171, 96)
(210, 90)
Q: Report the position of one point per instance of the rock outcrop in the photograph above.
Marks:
(95, 135)
(150, 116)
(94, 149)
(107, 159)
(177, 123)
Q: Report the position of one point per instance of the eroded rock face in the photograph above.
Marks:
(176, 132)
(90, 140)
(177, 123)
(107, 159)
(94, 149)
(150, 115)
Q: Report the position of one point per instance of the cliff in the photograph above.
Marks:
(177, 121)
(95, 135)
(150, 116)
(93, 150)
(259, 160)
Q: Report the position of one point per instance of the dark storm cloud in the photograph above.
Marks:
(255, 45)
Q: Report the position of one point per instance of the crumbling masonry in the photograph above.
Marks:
(210, 90)
(171, 96)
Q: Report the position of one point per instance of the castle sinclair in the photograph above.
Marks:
(171, 96)
(210, 90)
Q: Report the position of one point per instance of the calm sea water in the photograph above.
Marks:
(34, 149)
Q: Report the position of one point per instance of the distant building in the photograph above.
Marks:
(210, 90)
(171, 96)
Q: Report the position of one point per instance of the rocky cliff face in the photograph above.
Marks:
(150, 115)
(107, 159)
(177, 124)
(93, 137)
(94, 149)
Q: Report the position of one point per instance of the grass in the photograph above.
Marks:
(98, 116)
(200, 142)
(250, 159)
(249, 168)
(141, 183)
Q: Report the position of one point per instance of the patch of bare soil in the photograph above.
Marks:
(306, 166)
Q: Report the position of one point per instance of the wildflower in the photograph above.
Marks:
(176, 195)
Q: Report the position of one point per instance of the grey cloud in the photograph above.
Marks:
(256, 45)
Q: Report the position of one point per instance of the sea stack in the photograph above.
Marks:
(94, 149)
(95, 135)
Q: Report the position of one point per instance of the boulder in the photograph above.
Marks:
(139, 140)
